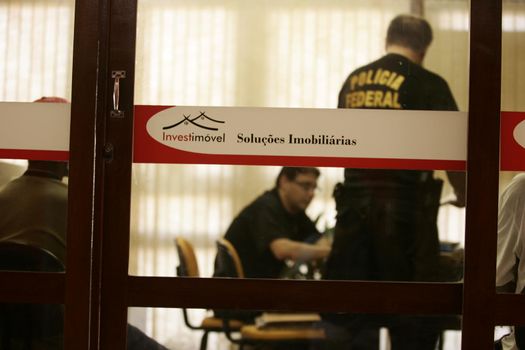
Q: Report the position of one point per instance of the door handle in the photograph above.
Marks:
(117, 75)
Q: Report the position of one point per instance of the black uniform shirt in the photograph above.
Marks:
(393, 82)
(260, 223)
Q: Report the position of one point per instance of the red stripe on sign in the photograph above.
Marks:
(180, 157)
(34, 154)
(512, 156)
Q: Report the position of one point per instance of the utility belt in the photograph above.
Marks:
(423, 196)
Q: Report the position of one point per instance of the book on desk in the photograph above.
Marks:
(287, 320)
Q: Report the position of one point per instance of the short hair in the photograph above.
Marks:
(409, 31)
(52, 99)
(291, 173)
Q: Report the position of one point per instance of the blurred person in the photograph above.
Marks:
(386, 225)
(272, 230)
(37, 200)
(510, 267)
(275, 228)
(34, 213)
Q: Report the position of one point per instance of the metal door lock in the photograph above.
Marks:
(108, 152)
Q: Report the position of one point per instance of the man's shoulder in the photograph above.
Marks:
(519, 179)
(516, 187)
(269, 199)
(15, 185)
(44, 187)
(34, 188)
(371, 65)
(395, 61)
(400, 65)
(388, 60)
(28, 180)
(265, 201)
(433, 77)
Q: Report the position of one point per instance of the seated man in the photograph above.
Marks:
(34, 208)
(510, 267)
(275, 227)
(37, 201)
(34, 212)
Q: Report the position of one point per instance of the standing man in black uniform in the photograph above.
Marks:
(387, 219)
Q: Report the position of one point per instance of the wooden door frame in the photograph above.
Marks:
(96, 288)
(78, 288)
(423, 298)
(84, 238)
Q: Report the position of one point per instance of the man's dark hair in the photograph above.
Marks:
(409, 31)
(291, 173)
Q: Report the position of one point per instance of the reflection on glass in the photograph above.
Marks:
(31, 326)
(303, 55)
(189, 328)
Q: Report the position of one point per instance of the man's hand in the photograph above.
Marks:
(284, 248)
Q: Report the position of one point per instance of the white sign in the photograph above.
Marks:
(34, 126)
(354, 133)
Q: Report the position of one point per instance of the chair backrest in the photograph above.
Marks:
(188, 266)
(29, 322)
(226, 250)
(18, 256)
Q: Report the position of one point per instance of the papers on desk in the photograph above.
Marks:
(287, 320)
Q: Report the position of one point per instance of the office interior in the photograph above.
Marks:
(287, 53)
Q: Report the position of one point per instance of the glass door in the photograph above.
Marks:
(256, 87)
(47, 172)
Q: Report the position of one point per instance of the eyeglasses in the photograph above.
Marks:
(307, 186)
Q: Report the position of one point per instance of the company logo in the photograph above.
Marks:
(197, 121)
(519, 133)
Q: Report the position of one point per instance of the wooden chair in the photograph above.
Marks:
(188, 267)
(18, 256)
(252, 334)
(227, 255)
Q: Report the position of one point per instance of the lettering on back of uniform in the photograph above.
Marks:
(376, 88)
